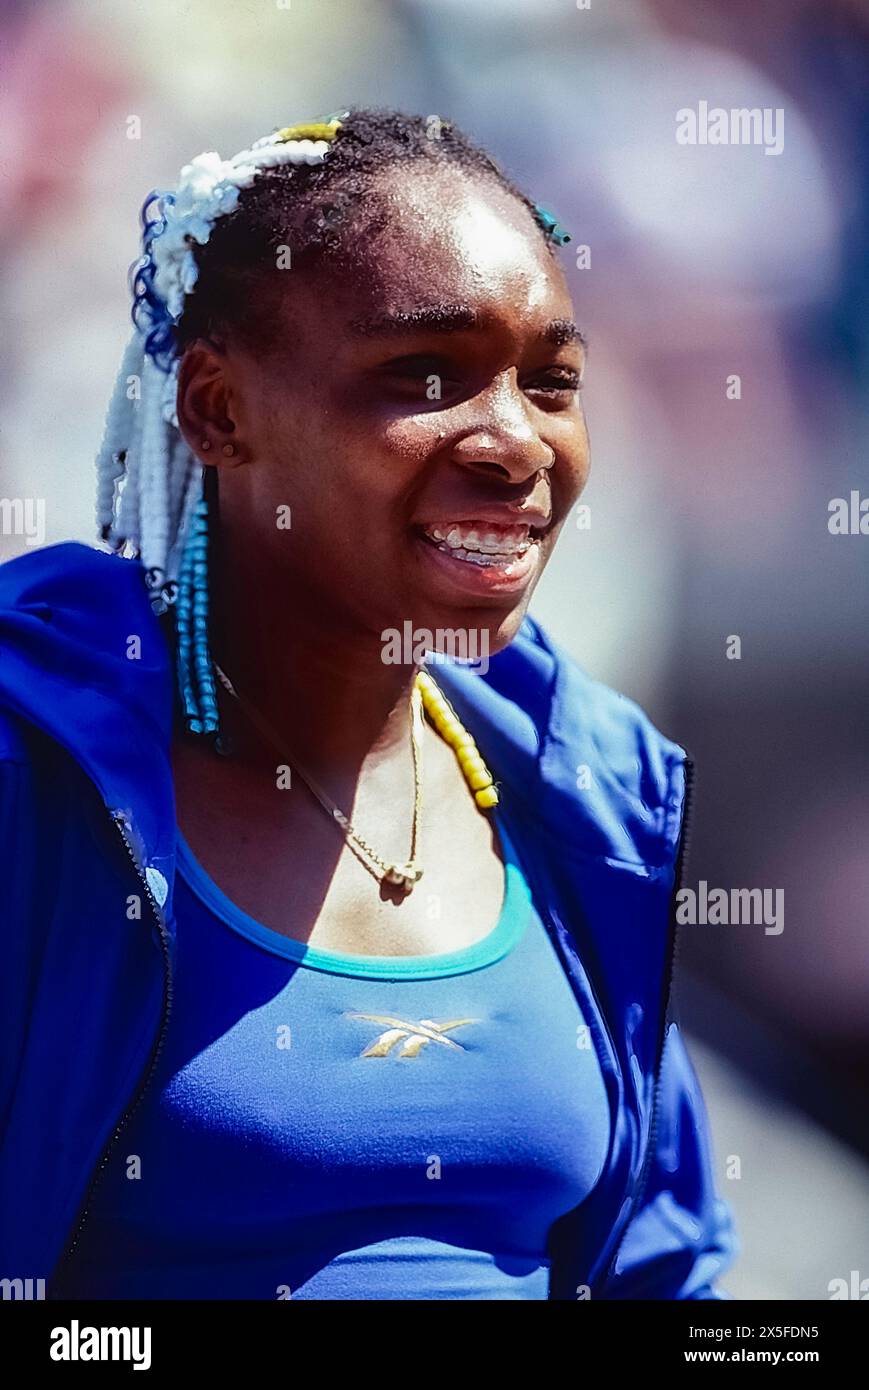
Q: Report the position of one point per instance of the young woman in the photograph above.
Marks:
(344, 970)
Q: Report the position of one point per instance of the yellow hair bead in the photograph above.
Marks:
(454, 733)
(309, 130)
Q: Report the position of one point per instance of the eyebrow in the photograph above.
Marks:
(451, 318)
(434, 318)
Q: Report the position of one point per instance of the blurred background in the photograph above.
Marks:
(709, 497)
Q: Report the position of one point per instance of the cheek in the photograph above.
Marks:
(579, 458)
(583, 471)
(337, 464)
(569, 479)
(410, 442)
(341, 485)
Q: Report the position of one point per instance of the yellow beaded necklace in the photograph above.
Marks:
(453, 732)
(425, 695)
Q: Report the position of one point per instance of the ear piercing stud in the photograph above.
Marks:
(229, 450)
(205, 445)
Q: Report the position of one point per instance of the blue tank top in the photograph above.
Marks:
(355, 1127)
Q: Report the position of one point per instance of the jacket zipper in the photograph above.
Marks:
(147, 1073)
(678, 883)
(539, 885)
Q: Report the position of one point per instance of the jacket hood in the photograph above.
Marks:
(83, 657)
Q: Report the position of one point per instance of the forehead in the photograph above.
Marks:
(443, 235)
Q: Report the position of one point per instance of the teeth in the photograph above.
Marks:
(463, 541)
(480, 557)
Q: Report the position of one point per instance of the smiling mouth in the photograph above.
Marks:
(482, 543)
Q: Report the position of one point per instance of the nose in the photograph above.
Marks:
(502, 442)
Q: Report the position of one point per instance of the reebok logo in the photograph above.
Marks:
(413, 1036)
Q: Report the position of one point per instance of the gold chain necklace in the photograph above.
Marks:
(398, 875)
(424, 695)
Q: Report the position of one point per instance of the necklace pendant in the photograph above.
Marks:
(403, 876)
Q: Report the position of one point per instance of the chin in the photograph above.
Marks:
(468, 634)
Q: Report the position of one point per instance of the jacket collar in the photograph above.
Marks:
(585, 762)
(85, 659)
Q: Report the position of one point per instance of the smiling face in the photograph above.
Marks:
(420, 417)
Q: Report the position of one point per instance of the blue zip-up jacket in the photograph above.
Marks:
(592, 792)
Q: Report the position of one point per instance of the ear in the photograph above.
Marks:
(204, 405)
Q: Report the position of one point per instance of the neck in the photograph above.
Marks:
(320, 685)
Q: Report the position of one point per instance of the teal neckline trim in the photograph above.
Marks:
(512, 920)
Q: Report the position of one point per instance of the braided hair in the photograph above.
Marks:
(209, 252)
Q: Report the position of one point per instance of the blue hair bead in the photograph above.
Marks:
(149, 312)
(551, 225)
(192, 654)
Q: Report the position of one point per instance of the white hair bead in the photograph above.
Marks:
(155, 452)
(117, 431)
(147, 499)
